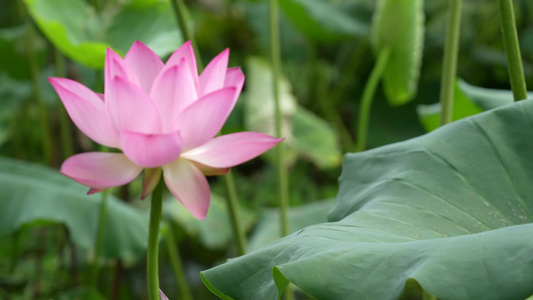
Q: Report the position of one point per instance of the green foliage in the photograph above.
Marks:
(215, 231)
(82, 34)
(14, 58)
(34, 195)
(399, 26)
(468, 101)
(268, 228)
(488, 98)
(322, 20)
(462, 107)
(306, 134)
(449, 209)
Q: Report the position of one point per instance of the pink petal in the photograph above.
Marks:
(189, 186)
(150, 181)
(87, 111)
(116, 66)
(186, 52)
(131, 109)
(232, 149)
(214, 74)
(100, 170)
(210, 171)
(235, 77)
(162, 295)
(151, 150)
(145, 63)
(203, 119)
(173, 90)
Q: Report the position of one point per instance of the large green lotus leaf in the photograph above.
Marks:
(322, 20)
(399, 26)
(31, 194)
(463, 107)
(74, 27)
(448, 209)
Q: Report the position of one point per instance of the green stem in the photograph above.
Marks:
(283, 179)
(180, 11)
(173, 252)
(64, 121)
(233, 207)
(153, 241)
(368, 97)
(46, 135)
(283, 187)
(99, 240)
(512, 50)
(449, 68)
(14, 251)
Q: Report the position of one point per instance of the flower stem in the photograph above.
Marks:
(46, 135)
(153, 241)
(449, 67)
(283, 179)
(283, 186)
(99, 241)
(512, 50)
(180, 11)
(173, 252)
(368, 97)
(233, 207)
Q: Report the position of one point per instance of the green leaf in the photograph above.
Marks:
(322, 20)
(306, 134)
(463, 107)
(215, 232)
(14, 58)
(268, 228)
(450, 209)
(488, 98)
(80, 33)
(315, 139)
(31, 194)
(399, 26)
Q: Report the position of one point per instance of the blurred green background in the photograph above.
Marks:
(48, 225)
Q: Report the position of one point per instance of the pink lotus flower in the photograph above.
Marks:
(162, 116)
